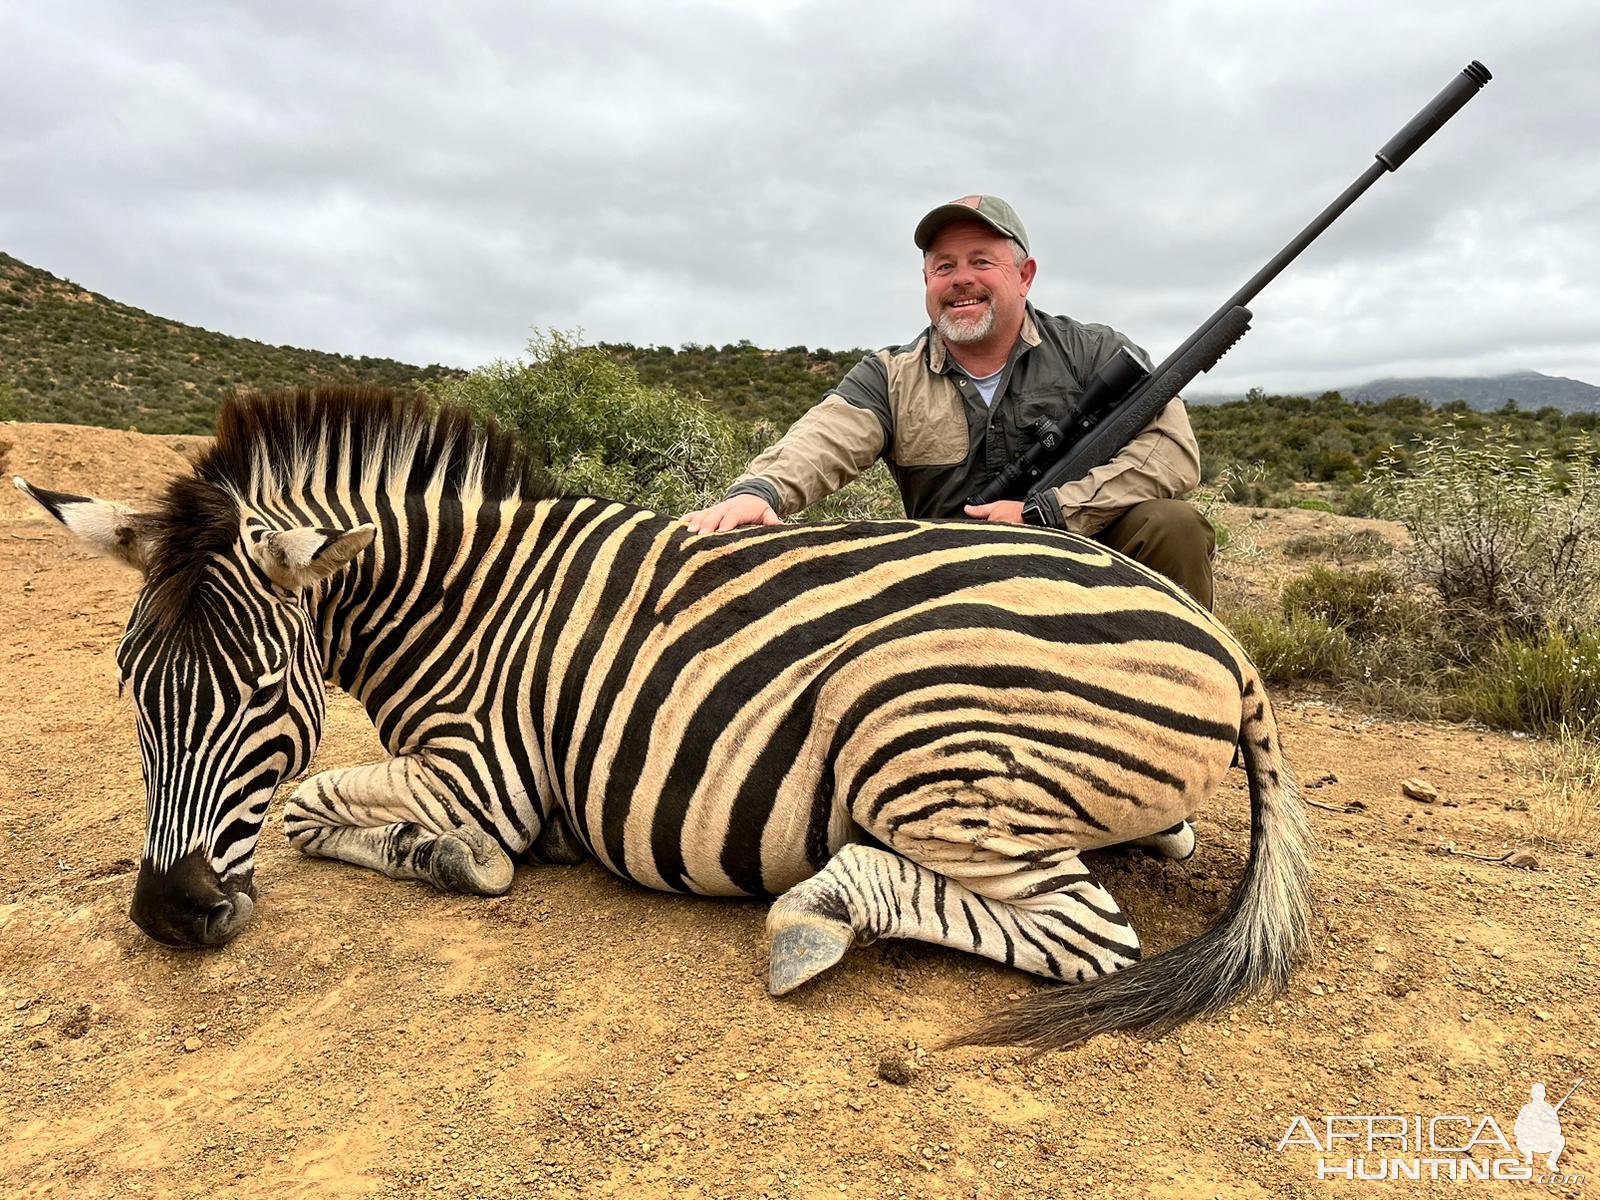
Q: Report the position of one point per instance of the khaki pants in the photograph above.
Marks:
(1169, 536)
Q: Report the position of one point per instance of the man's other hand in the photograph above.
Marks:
(1008, 511)
(731, 513)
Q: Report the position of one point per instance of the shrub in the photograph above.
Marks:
(871, 497)
(1535, 684)
(1567, 808)
(1288, 649)
(601, 431)
(1365, 604)
(1233, 482)
(1359, 501)
(1509, 538)
(1345, 546)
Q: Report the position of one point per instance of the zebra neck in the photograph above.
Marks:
(449, 597)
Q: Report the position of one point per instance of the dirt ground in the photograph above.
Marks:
(581, 1036)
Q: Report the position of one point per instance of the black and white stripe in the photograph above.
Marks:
(901, 728)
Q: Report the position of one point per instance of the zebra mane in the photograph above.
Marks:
(335, 441)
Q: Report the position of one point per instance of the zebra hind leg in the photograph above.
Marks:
(1052, 919)
(378, 816)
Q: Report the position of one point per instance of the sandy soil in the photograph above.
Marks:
(583, 1037)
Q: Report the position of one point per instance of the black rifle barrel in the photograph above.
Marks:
(1103, 435)
(1402, 146)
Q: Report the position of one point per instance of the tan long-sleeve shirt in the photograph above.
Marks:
(914, 407)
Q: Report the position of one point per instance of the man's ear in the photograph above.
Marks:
(298, 558)
(1026, 273)
(111, 528)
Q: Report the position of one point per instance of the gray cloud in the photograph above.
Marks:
(430, 186)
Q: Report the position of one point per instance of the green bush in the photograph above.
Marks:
(1343, 546)
(600, 431)
(1314, 505)
(1365, 604)
(1508, 538)
(1539, 684)
(1291, 649)
(871, 497)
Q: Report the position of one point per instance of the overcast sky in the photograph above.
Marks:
(431, 184)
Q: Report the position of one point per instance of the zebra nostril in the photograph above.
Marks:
(218, 917)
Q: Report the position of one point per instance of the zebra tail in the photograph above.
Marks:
(1250, 949)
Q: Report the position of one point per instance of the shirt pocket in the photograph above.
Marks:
(930, 425)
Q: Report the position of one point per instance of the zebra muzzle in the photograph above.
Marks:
(188, 906)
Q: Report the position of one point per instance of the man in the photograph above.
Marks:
(951, 408)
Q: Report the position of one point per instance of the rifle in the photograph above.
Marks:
(1124, 397)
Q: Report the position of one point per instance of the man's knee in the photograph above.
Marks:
(1169, 536)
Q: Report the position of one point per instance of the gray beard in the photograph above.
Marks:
(960, 332)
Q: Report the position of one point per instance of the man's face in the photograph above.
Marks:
(975, 287)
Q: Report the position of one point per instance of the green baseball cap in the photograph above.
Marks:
(991, 210)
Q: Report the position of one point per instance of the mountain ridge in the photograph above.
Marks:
(1484, 393)
(72, 355)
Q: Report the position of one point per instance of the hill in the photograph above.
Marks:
(71, 355)
(742, 379)
(1528, 390)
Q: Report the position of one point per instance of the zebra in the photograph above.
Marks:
(904, 729)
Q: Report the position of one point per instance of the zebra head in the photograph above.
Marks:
(225, 672)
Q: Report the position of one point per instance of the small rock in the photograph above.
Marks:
(1461, 939)
(1497, 952)
(190, 1045)
(1420, 790)
(895, 1068)
(1539, 1014)
(1522, 860)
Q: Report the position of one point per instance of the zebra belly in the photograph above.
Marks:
(751, 721)
(966, 746)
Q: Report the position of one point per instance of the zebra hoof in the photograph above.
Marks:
(801, 952)
(472, 862)
(1176, 844)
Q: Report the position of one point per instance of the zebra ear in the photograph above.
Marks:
(298, 558)
(111, 528)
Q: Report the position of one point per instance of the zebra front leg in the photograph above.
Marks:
(1051, 919)
(391, 817)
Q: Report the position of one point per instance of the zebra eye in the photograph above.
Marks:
(270, 684)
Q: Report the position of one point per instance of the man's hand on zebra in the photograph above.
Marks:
(1008, 511)
(731, 513)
